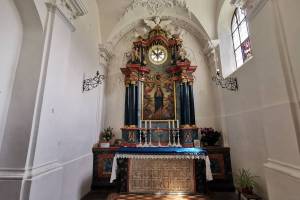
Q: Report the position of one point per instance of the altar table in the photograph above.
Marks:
(162, 169)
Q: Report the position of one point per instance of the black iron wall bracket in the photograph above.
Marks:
(91, 83)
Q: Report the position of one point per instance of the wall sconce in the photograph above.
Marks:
(91, 83)
(229, 83)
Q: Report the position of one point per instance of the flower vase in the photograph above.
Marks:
(104, 144)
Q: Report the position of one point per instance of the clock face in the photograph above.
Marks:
(158, 54)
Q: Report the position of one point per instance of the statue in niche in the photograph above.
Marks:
(159, 99)
(158, 95)
(182, 54)
(134, 57)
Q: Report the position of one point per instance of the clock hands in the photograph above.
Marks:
(157, 54)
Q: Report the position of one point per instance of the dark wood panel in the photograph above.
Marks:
(103, 159)
(221, 169)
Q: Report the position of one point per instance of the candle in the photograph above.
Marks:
(173, 124)
(145, 124)
(169, 124)
(150, 124)
(177, 122)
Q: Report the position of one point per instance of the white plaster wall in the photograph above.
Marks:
(69, 123)
(289, 14)
(11, 41)
(205, 104)
(258, 120)
(204, 96)
(205, 11)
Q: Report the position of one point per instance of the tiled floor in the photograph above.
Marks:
(108, 195)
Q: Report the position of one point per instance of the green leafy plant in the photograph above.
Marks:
(107, 134)
(245, 181)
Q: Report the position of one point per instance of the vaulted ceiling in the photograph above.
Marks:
(112, 11)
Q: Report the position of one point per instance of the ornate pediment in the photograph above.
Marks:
(76, 8)
(155, 7)
(69, 10)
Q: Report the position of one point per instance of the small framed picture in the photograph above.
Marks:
(196, 143)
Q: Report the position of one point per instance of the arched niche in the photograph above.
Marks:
(227, 58)
(21, 109)
(173, 10)
(205, 99)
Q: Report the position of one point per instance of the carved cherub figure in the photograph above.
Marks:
(182, 53)
(156, 21)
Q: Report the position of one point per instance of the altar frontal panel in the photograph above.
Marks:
(166, 176)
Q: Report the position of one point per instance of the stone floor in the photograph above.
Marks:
(103, 195)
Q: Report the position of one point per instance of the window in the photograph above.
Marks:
(240, 37)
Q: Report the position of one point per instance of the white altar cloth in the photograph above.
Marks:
(209, 176)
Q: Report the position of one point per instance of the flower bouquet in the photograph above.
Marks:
(209, 136)
(105, 137)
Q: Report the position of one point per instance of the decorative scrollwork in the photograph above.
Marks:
(91, 83)
(229, 83)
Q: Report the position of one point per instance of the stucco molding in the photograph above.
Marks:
(22, 173)
(283, 168)
(68, 10)
(177, 21)
(105, 55)
(74, 8)
(155, 7)
(174, 10)
(251, 6)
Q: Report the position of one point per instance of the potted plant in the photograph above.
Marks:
(105, 137)
(209, 136)
(245, 181)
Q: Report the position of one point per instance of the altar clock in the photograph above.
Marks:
(159, 99)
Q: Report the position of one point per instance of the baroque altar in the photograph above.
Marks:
(157, 153)
(159, 99)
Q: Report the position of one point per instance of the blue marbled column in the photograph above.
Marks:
(192, 106)
(185, 116)
(136, 104)
(127, 100)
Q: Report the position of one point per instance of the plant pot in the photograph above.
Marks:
(211, 143)
(104, 144)
(247, 190)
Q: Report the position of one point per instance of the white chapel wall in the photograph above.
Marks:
(11, 41)
(258, 121)
(69, 125)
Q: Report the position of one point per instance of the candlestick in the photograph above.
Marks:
(150, 141)
(174, 139)
(140, 143)
(159, 138)
(178, 140)
(169, 143)
(146, 139)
